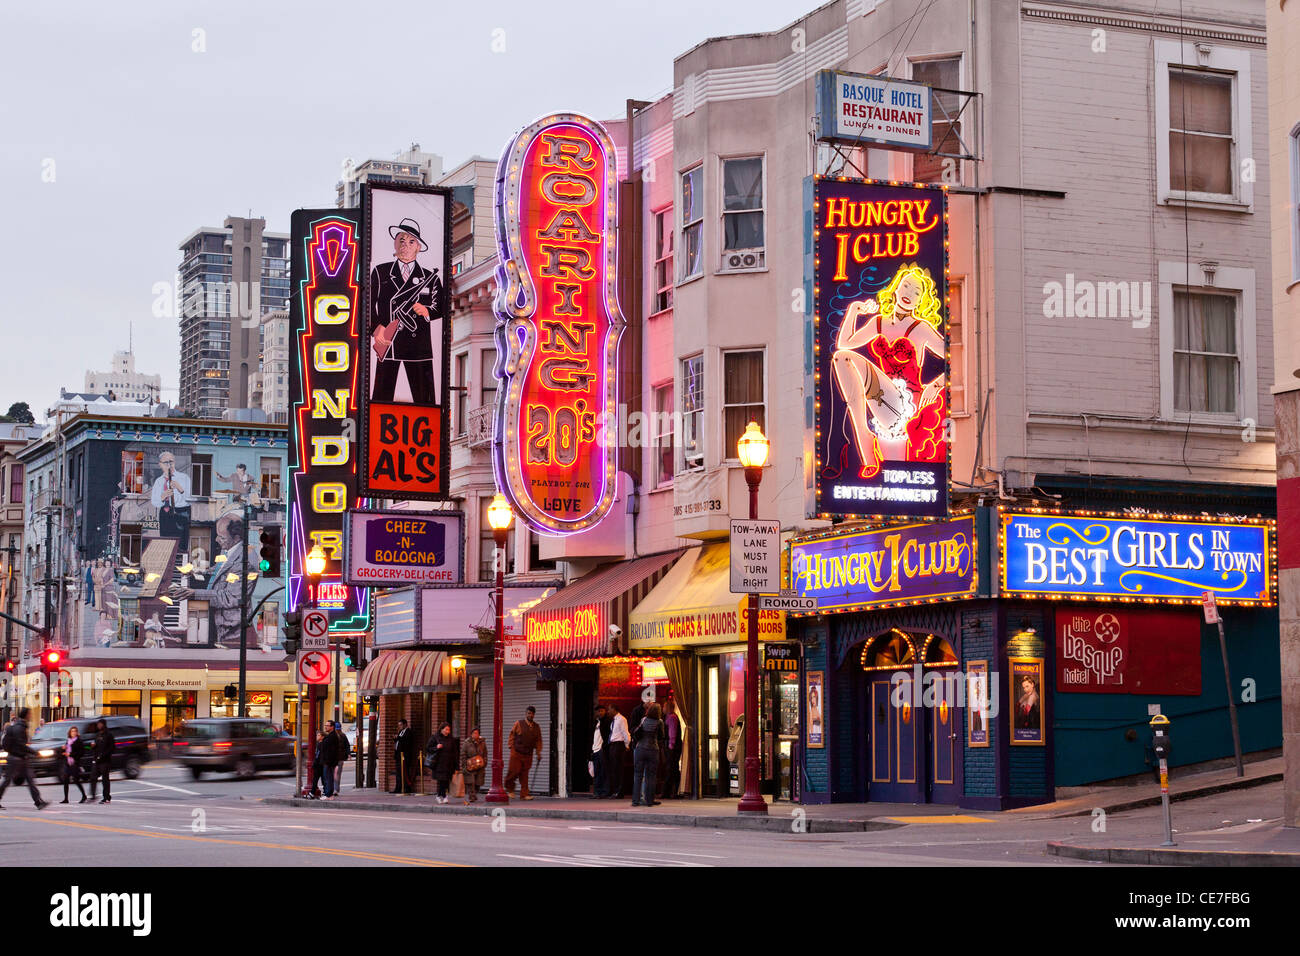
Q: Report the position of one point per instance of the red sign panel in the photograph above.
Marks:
(558, 323)
(1092, 652)
(1128, 651)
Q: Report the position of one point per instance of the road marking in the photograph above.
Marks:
(953, 818)
(418, 833)
(706, 856)
(550, 859)
(163, 786)
(354, 854)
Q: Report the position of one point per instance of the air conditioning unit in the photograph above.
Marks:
(742, 260)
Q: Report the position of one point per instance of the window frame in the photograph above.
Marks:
(959, 284)
(683, 225)
(1220, 60)
(487, 543)
(723, 212)
(460, 365)
(731, 451)
(1293, 141)
(680, 398)
(910, 158)
(656, 448)
(663, 217)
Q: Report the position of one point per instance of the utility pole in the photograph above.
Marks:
(243, 615)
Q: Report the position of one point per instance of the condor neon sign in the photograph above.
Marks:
(558, 323)
(324, 318)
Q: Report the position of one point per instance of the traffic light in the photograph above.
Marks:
(52, 660)
(292, 631)
(270, 539)
(350, 655)
(231, 691)
(10, 666)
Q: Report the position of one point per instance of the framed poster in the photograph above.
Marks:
(405, 342)
(396, 548)
(816, 732)
(1027, 723)
(977, 704)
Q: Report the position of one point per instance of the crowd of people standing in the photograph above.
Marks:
(654, 735)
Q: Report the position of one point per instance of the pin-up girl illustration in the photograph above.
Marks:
(878, 366)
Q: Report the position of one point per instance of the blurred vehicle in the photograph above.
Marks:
(242, 745)
(45, 746)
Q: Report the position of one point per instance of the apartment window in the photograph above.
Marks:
(1206, 363)
(15, 484)
(129, 546)
(693, 413)
(133, 472)
(663, 275)
(664, 451)
(743, 397)
(945, 128)
(956, 350)
(742, 203)
(1202, 119)
(462, 370)
(487, 545)
(692, 206)
(271, 478)
(201, 475)
(487, 389)
(535, 562)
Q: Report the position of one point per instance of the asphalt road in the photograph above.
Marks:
(165, 818)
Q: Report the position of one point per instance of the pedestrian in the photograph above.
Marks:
(642, 706)
(645, 757)
(345, 751)
(103, 754)
(329, 758)
(317, 766)
(444, 758)
(618, 739)
(404, 756)
(597, 755)
(525, 740)
(74, 751)
(673, 750)
(475, 754)
(14, 743)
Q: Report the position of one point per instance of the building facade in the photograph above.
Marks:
(271, 384)
(13, 496)
(124, 382)
(411, 167)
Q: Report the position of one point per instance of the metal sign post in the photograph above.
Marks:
(1212, 617)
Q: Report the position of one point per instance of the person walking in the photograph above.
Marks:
(14, 743)
(344, 751)
(525, 740)
(597, 755)
(645, 757)
(74, 751)
(404, 754)
(673, 750)
(317, 766)
(102, 751)
(475, 753)
(618, 740)
(329, 758)
(444, 758)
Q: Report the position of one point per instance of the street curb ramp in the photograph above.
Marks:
(1165, 856)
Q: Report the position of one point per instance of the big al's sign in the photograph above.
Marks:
(558, 323)
(1172, 561)
(323, 314)
(881, 300)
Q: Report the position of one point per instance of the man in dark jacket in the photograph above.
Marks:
(404, 756)
(14, 744)
(102, 752)
(525, 741)
(329, 756)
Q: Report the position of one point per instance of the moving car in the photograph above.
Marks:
(130, 753)
(243, 745)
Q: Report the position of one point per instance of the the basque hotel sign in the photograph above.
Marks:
(881, 307)
(1173, 560)
(393, 548)
(887, 566)
(558, 323)
(856, 108)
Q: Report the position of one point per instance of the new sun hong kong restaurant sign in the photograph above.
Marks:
(323, 314)
(558, 323)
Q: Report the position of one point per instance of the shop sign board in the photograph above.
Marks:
(876, 110)
(755, 557)
(781, 657)
(395, 548)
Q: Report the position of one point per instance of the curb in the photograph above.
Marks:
(773, 824)
(1154, 801)
(1160, 856)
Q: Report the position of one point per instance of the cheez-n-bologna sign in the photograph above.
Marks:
(558, 323)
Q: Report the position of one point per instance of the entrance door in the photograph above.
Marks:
(943, 731)
(895, 770)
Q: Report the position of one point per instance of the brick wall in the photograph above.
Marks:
(980, 764)
(817, 781)
(1028, 765)
(418, 710)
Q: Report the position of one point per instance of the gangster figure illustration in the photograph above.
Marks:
(404, 320)
(878, 368)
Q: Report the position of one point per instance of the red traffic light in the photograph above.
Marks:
(52, 658)
(10, 665)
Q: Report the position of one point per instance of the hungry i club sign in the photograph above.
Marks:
(558, 323)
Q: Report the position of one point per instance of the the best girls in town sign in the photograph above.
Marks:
(881, 298)
(558, 323)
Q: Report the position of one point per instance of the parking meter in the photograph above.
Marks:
(1161, 742)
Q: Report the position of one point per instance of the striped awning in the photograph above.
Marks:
(409, 672)
(574, 622)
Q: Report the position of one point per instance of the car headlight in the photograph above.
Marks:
(45, 753)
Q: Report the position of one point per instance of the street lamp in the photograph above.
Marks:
(752, 449)
(315, 563)
(315, 567)
(499, 517)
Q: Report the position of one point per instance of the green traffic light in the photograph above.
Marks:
(265, 565)
(347, 661)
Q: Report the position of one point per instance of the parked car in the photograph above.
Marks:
(243, 745)
(130, 753)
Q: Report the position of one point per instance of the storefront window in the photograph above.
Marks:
(291, 714)
(120, 703)
(259, 704)
(168, 709)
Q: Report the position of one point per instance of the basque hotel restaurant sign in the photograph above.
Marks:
(323, 314)
(888, 566)
(857, 109)
(558, 323)
(881, 300)
(393, 548)
(1154, 560)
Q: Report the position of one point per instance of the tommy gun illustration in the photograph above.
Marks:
(401, 314)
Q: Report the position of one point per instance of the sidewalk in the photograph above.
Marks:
(1260, 844)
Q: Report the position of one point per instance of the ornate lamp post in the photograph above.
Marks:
(752, 449)
(499, 518)
(315, 567)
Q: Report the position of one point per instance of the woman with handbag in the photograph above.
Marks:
(74, 752)
(645, 757)
(475, 754)
(444, 757)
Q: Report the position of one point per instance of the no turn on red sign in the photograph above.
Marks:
(313, 667)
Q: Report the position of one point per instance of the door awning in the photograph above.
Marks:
(693, 605)
(574, 622)
(409, 672)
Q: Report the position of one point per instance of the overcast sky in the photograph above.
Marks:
(122, 130)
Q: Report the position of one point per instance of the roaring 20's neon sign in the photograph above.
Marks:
(558, 323)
